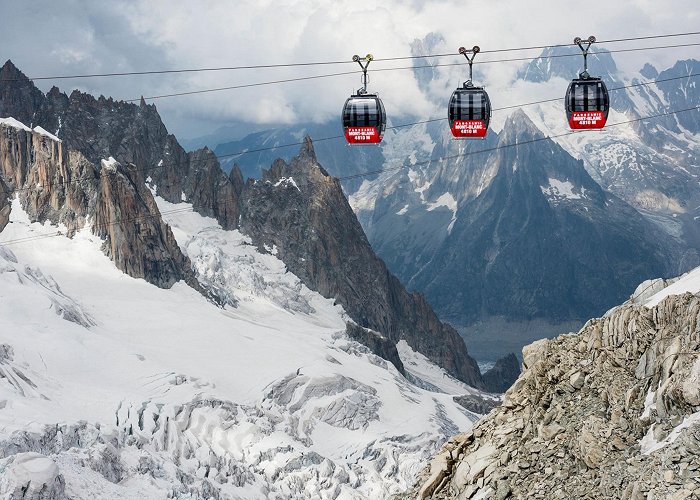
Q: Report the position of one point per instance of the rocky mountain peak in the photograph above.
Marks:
(19, 98)
(236, 178)
(424, 69)
(306, 152)
(519, 127)
(302, 211)
(649, 71)
(10, 72)
(503, 374)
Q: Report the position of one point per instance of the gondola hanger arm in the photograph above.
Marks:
(475, 50)
(359, 60)
(588, 42)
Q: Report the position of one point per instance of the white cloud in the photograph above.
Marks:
(76, 37)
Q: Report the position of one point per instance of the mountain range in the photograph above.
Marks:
(511, 244)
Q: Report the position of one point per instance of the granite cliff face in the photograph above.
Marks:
(612, 411)
(63, 187)
(128, 219)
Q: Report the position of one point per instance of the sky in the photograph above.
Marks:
(72, 37)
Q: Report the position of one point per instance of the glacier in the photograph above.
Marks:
(113, 388)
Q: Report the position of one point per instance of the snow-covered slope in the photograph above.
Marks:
(136, 391)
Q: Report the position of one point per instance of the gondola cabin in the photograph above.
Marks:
(364, 119)
(587, 103)
(469, 113)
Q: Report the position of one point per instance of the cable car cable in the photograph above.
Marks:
(516, 144)
(326, 63)
(330, 75)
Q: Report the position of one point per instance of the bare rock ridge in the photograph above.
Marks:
(298, 208)
(610, 412)
(127, 217)
(303, 212)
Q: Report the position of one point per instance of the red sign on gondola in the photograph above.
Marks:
(469, 128)
(362, 135)
(587, 120)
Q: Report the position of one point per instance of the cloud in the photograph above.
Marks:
(75, 37)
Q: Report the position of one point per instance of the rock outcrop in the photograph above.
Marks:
(63, 187)
(4, 204)
(301, 211)
(503, 374)
(136, 238)
(377, 343)
(610, 412)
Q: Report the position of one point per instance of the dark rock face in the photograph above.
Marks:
(301, 210)
(5, 206)
(136, 238)
(503, 374)
(476, 404)
(210, 191)
(378, 344)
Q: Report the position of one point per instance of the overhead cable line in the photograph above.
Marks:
(403, 125)
(337, 62)
(428, 66)
(355, 176)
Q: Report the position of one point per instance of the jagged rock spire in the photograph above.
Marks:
(307, 149)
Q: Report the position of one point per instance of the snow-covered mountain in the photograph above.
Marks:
(148, 348)
(421, 219)
(315, 231)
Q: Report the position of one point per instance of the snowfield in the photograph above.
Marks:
(138, 392)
